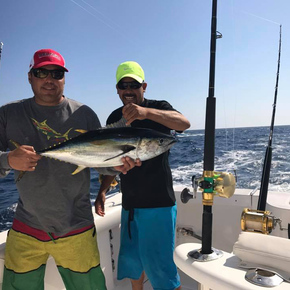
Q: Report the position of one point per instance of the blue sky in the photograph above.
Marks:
(170, 39)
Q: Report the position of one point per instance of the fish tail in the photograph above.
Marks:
(21, 174)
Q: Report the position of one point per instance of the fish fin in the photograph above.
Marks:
(81, 131)
(79, 169)
(121, 123)
(21, 174)
(16, 144)
(125, 149)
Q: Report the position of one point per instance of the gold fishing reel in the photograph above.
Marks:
(225, 184)
(216, 183)
(258, 221)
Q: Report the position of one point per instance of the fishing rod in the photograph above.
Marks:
(212, 183)
(261, 220)
(268, 155)
(209, 143)
(1, 47)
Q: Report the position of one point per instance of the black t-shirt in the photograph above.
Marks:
(149, 185)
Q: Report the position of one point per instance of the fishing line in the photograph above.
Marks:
(92, 7)
(227, 106)
(93, 15)
(234, 155)
(119, 29)
(245, 12)
(235, 103)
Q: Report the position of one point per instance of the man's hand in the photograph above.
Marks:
(23, 158)
(128, 164)
(132, 112)
(100, 204)
(106, 181)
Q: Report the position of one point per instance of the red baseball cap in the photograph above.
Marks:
(44, 57)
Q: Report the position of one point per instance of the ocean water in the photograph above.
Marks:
(240, 151)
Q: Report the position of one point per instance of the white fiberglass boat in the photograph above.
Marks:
(253, 259)
(219, 274)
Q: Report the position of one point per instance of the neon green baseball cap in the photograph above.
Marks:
(130, 69)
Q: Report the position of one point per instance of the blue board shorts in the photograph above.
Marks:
(150, 247)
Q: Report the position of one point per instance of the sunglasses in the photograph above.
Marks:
(42, 73)
(126, 85)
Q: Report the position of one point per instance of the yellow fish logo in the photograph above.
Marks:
(49, 132)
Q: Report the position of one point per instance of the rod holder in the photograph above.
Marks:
(197, 255)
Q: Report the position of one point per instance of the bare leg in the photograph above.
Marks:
(138, 284)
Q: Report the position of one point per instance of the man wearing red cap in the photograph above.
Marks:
(54, 214)
(148, 202)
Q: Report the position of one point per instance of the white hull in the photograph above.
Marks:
(223, 273)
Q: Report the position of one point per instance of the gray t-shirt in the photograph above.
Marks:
(50, 198)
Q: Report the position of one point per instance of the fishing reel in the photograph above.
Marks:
(222, 183)
(216, 183)
(259, 221)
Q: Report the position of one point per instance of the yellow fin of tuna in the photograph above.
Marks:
(81, 131)
(79, 169)
(16, 144)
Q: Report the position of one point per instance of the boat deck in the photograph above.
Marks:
(226, 229)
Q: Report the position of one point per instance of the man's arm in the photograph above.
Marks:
(101, 198)
(171, 119)
(128, 164)
(4, 165)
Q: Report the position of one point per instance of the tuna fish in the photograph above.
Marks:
(105, 147)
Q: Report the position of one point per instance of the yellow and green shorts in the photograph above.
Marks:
(76, 255)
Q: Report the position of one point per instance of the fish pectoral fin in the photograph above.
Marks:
(16, 144)
(81, 131)
(79, 169)
(125, 149)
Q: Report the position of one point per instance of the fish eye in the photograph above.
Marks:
(161, 141)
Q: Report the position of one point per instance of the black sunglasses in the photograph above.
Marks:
(132, 85)
(42, 73)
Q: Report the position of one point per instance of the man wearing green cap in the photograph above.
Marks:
(149, 209)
